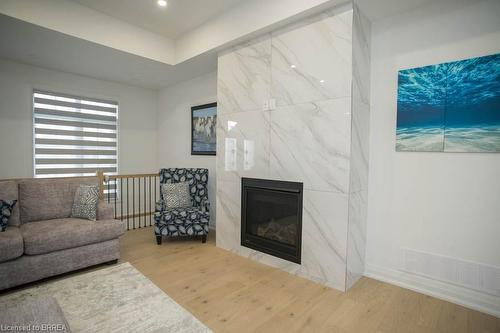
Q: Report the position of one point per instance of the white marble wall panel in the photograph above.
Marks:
(359, 149)
(244, 77)
(361, 45)
(312, 62)
(360, 140)
(356, 237)
(310, 143)
(228, 215)
(243, 137)
(324, 236)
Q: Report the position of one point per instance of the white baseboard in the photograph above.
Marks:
(463, 296)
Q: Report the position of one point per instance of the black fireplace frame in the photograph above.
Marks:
(269, 246)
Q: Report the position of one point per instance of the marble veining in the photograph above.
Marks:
(359, 146)
(311, 143)
(244, 77)
(312, 62)
(228, 215)
(356, 238)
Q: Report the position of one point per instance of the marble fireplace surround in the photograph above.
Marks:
(316, 72)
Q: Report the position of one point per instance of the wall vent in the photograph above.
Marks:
(476, 276)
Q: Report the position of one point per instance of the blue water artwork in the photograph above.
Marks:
(450, 107)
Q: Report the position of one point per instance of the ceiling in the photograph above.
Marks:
(179, 17)
(379, 9)
(31, 44)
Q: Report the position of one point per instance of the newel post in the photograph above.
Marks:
(100, 175)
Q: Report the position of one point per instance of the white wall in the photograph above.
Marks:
(439, 203)
(174, 127)
(137, 117)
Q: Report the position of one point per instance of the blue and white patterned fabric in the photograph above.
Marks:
(6, 207)
(188, 221)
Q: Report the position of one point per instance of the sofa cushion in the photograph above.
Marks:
(9, 191)
(11, 244)
(45, 199)
(59, 234)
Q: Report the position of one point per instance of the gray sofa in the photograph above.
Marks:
(41, 240)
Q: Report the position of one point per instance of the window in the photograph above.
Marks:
(74, 136)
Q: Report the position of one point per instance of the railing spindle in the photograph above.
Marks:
(115, 196)
(133, 202)
(107, 183)
(150, 209)
(128, 204)
(145, 202)
(139, 202)
(121, 199)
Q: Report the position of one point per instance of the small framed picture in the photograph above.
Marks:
(203, 129)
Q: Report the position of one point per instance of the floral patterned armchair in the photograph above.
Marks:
(189, 221)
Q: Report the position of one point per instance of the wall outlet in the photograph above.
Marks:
(265, 105)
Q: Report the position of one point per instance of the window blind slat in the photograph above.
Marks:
(79, 143)
(75, 105)
(81, 152)
(72, 114)
(74, 135)
(58, 171)
(89, 99)
(48, 161)
(72, 123)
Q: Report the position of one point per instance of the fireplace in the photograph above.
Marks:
(271, 217)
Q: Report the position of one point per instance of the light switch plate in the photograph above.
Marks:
(272, 104)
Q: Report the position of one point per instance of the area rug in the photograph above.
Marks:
(113, 299)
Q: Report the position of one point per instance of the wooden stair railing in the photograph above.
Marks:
(133, 197)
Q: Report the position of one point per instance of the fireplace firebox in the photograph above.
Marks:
(271, 217)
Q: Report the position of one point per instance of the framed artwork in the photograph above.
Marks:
(450, 107)
(203, 129)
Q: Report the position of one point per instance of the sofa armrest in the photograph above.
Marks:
(105, 211)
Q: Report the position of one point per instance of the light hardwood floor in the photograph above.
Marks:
(230, 293)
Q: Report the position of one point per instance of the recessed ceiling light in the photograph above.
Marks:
(321, 81)
(162, 3)
(293, 66)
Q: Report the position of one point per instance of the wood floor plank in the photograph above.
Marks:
(230, 293)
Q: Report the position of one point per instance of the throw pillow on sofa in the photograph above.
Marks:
(176, 195)
(85, 202)
(6, 207)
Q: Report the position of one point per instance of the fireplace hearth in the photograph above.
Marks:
(271, 217)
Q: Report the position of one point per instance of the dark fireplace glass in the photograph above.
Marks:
(272, 215)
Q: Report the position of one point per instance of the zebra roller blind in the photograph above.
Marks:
(74, 136)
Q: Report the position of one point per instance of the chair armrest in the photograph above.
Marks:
(205, 205)
(160, 206)
(105, 211)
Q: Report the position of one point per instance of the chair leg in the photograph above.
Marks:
(204, 238)
(158, 239)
